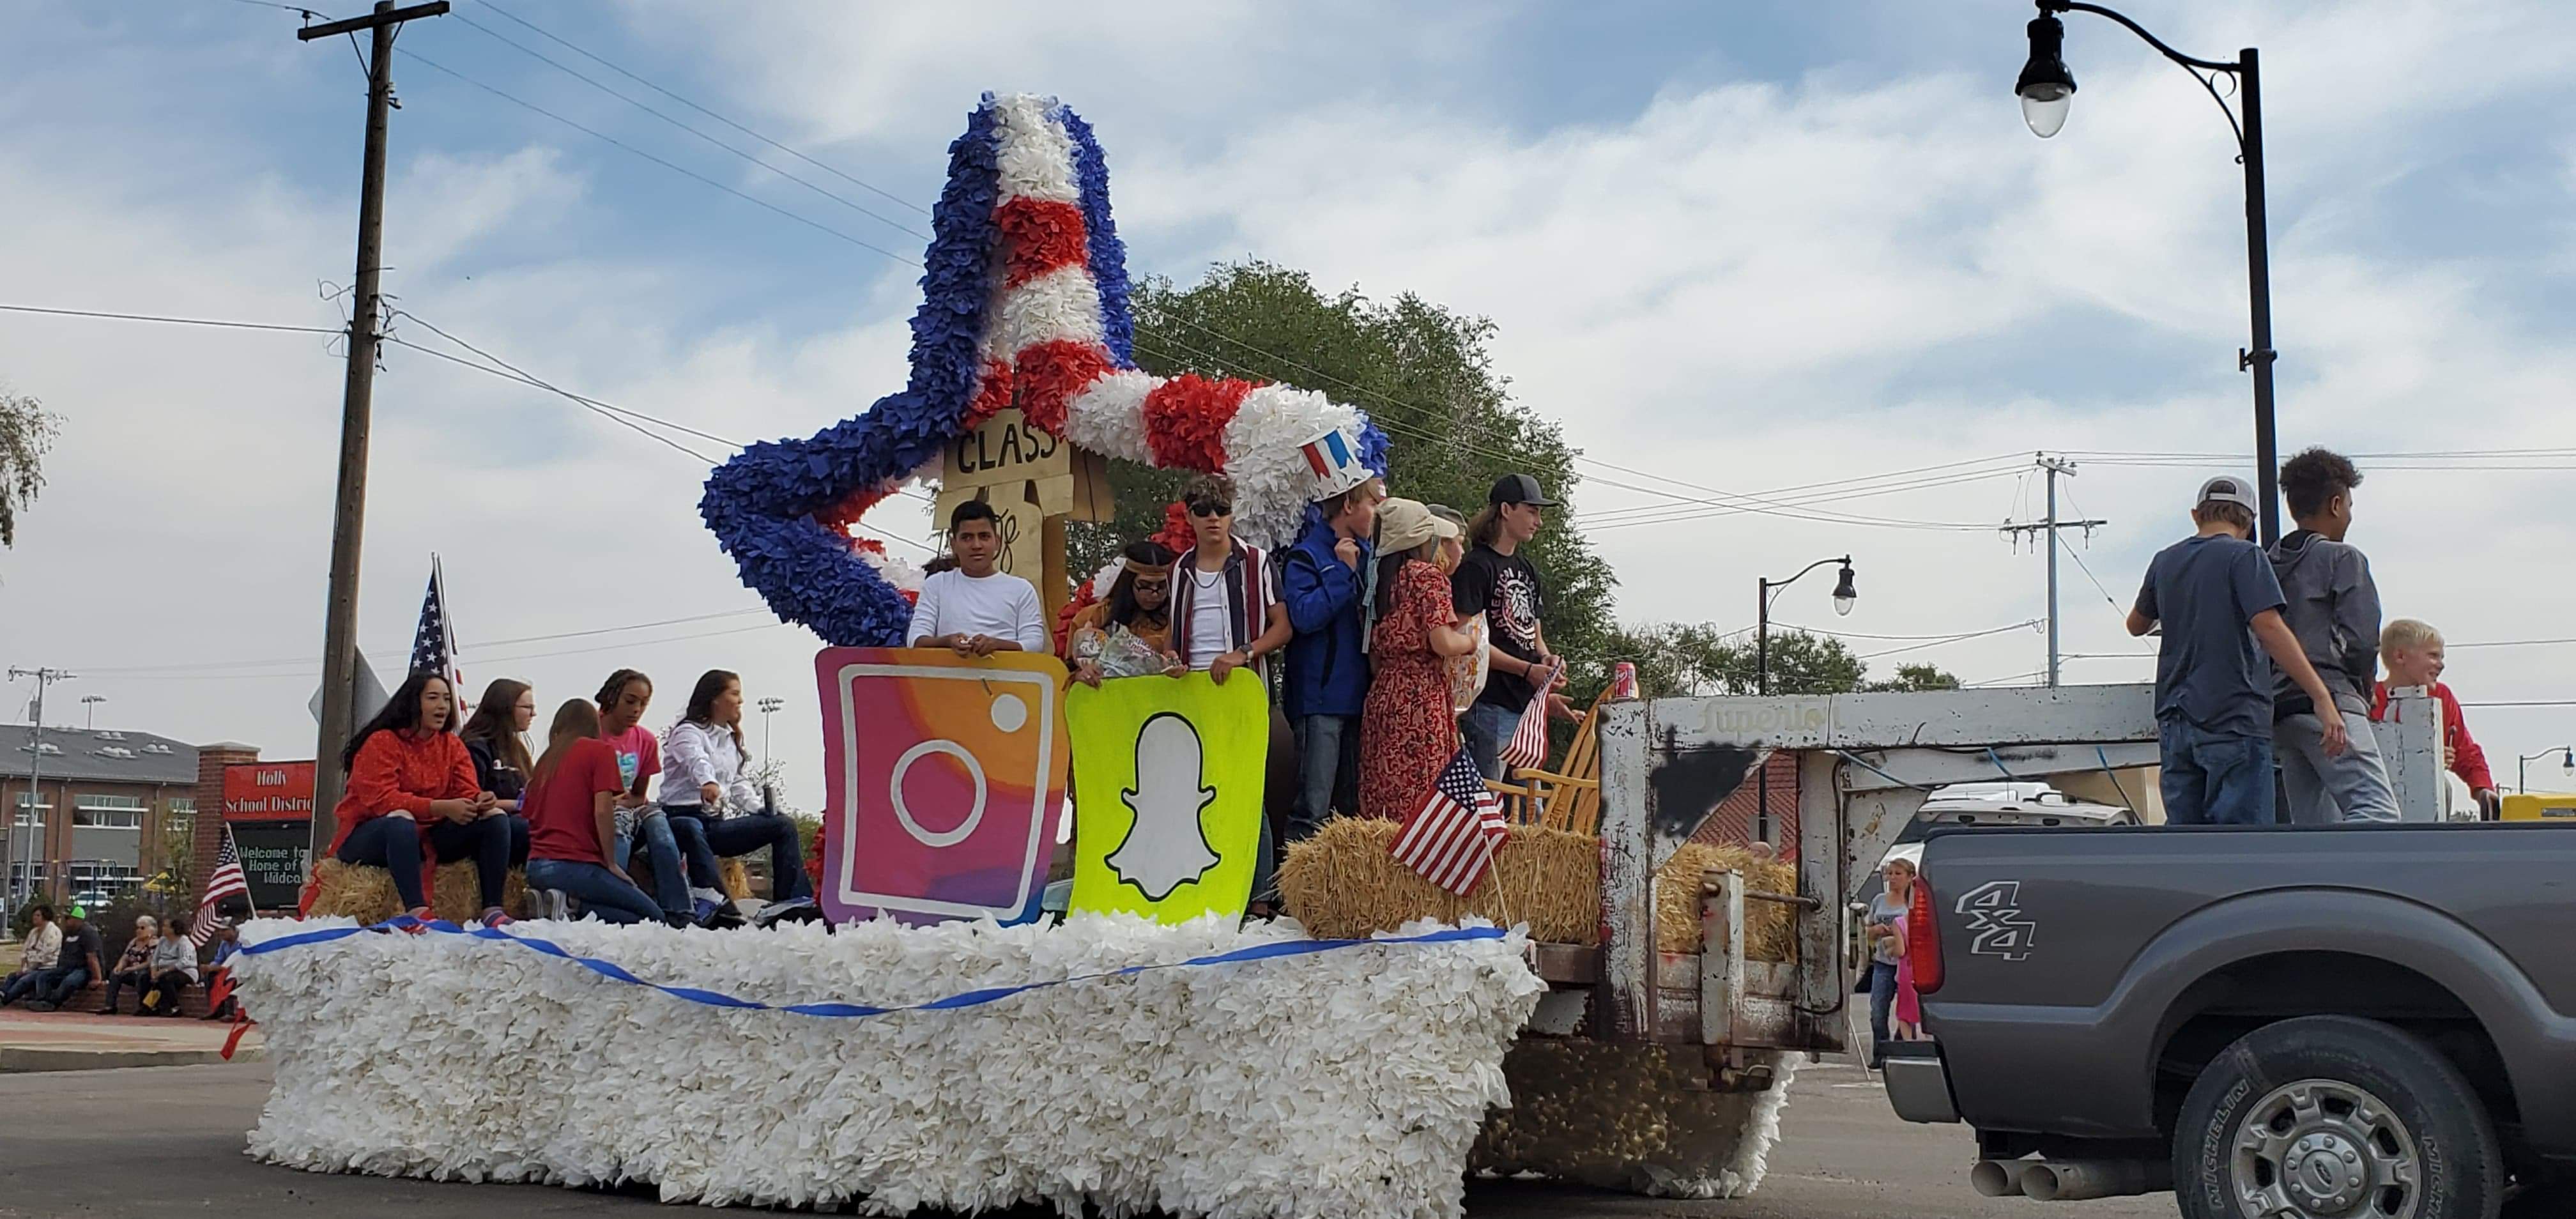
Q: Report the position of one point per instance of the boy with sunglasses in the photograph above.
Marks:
(1226, 615)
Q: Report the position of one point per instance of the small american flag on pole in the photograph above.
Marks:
(226, 880)
(1528, 746)
(1450, 841)
(433, 646)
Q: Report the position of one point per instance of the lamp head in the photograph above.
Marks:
(2046, 88)
(1844, 592)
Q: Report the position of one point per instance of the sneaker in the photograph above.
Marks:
(705, 907)
(42, 1006)
(554, 904)
(497, 919)
(723, 916)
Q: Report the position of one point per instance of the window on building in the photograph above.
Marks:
(108, 812)
(27, 815)
(102, 875)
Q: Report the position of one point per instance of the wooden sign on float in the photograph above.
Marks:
(1035, 482)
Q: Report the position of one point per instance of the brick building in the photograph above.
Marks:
(93, 820)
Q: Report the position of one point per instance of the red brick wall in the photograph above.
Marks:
(1734, 822)
(211, 761)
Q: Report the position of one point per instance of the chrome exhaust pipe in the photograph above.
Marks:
(1995, 1179)
(2082, 1180)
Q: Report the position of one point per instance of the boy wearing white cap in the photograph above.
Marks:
(2218, 603)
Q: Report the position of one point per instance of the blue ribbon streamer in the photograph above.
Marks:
(972, 998)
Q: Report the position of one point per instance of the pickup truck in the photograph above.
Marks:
(2275, 1023)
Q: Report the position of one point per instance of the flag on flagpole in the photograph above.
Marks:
(1528, 746)
(226, 880)
(433, 646)
(1450, 840)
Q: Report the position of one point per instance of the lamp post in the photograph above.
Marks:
(89, 704)
(2047, 89)
(1844, 595)
(768, 707)
(2522, 767)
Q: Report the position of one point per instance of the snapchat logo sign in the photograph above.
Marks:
(1167, 794)
(946, 780)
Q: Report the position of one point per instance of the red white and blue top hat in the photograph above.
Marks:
(1334, 460)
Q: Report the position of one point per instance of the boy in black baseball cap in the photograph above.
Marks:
(1497, 581)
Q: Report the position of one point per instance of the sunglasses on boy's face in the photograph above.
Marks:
(1205, 508)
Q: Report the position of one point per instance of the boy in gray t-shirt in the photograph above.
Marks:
(2217, 600)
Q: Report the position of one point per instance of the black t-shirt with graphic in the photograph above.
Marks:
(1505, 589)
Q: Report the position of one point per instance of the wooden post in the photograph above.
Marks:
(1056, 587)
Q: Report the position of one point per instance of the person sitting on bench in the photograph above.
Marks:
(173, 969)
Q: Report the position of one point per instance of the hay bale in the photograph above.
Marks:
(367, 894)
(1342, 883)
(1770, 929)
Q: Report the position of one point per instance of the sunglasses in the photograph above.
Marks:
(1204, 508)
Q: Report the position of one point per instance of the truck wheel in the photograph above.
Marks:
(2334, 1117)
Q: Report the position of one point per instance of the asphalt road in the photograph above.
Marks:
(168, 1141)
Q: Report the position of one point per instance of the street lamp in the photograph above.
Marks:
(1844, 595)
(768, 707)
(2522, 766)
(2047, 90)
(89, 703)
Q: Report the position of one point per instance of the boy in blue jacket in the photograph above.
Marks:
(1323, 580)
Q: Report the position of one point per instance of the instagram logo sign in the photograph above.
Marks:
(945, 777)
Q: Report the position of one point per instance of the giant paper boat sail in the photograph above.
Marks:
(1024, 303)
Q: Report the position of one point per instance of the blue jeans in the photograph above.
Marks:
(1328, 772)
(1486, 727)
(1882, 1001)
(493, 843)
(2211, 779)
(600, 891)
(741, 834)
(55, 986)
(662, 841)
(391, 843)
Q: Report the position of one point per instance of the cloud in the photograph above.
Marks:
(1808, 274)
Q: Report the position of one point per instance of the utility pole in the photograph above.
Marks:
(35, 788)
(340, 616)
(2046, 531)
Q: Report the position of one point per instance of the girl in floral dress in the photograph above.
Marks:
(1408, 729)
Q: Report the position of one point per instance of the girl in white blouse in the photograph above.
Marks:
(703, 780)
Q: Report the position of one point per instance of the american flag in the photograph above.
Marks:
(226, 881)
(1451, 839)
(1528, 746)
(433, 647)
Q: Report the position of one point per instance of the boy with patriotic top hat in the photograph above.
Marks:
(1323, 578)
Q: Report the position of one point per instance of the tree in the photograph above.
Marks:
(27, 431)
(1695, 658)
(1422, 372)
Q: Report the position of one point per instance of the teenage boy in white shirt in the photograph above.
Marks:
(974, 609)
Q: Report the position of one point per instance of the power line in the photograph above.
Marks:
(703, 110)
(175, 321)
(672, 166)
(479, 660)
(540, 57)
(1944, 637)
(1917, 647)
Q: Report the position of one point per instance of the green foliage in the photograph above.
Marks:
(1695, 658)
(1914, 677)
(27, 430)
(1421, 371)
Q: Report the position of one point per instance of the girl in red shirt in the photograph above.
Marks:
(412, 798)
(571, 805)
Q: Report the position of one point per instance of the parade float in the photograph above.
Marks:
(1609, 1004)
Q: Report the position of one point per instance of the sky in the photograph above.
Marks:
(1730, 249)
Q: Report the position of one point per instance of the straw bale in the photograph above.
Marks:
(1343, 883)
(367, 894)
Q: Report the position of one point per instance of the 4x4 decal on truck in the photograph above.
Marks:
(1993, 911)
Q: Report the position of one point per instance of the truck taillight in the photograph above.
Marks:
(1923, 939)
